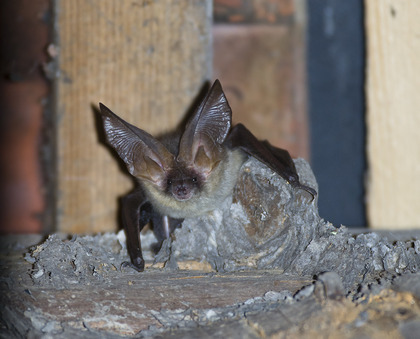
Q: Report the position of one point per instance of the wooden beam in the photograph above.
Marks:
(146, 60)
(393, 119)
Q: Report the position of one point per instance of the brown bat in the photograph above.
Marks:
(188, 174)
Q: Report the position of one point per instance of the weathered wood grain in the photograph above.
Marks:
(128, 302)
(146, 60)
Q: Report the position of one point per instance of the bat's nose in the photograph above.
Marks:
(182, 192)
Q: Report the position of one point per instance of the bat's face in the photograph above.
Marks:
(183, 184)
(187, 190)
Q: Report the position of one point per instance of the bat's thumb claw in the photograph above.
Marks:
(310, 190)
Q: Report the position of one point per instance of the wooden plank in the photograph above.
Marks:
(186, 304)
(261, 64)
(132, 303)
(146, 60)
(127, 302)
(393, 81)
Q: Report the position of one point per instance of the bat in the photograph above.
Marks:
(189, 173)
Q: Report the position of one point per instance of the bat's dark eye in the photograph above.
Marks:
(194, 180)
(169, 182)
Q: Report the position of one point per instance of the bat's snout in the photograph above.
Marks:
(182, 192)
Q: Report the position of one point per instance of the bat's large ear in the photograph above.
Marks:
(207, 130)
(144, 156)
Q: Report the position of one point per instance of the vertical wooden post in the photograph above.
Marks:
(393, 119)
(144, 59)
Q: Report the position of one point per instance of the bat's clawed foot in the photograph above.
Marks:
(308, 189)
(138, 266)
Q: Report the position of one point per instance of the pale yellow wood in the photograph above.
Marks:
(144, 59)
(393, 113)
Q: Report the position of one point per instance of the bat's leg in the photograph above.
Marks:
(163, 226)
(277, 159)
(136, 212)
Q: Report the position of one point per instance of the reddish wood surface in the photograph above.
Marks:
(251, 11)
(259, 56)
(23, 91)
